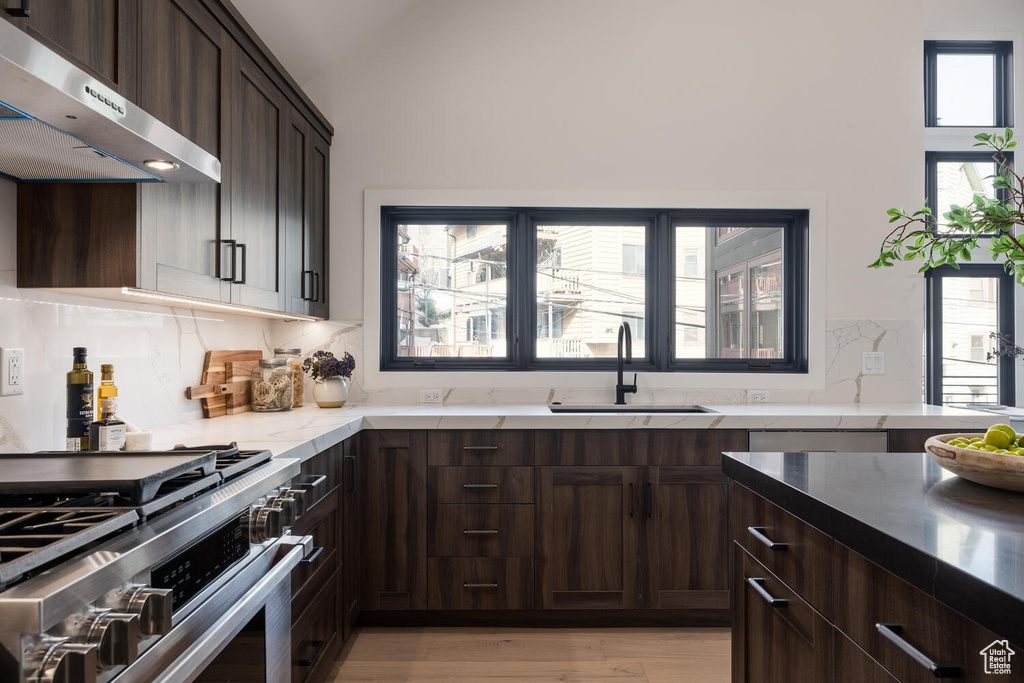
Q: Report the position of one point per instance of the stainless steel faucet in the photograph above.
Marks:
(622, 389)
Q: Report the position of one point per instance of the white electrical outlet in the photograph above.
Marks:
(757, 397)
(431, 396)
(872, 363)
(12, 372)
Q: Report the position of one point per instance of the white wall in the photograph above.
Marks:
(796, 96)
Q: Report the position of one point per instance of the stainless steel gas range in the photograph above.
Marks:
(148, 567)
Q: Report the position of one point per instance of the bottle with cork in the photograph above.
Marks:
(80, 401)
(109, 432)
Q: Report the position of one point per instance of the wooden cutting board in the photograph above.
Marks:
(222, 367)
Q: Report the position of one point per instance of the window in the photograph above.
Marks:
(633, 262)
(968, 83)
(954, 178)
(575, 275)
(964, 308)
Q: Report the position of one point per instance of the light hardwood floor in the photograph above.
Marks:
(535, 655)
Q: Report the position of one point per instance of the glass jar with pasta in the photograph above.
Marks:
(293, 358)
(273, 386)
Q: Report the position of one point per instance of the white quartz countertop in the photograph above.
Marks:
(306, 431)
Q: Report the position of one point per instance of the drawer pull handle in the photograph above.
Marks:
(306, 561)
(479, 486)
(479, 586)
(758, 585)
(318, 646)
(479, 448)
(480, 532)
(891, 632)
(758, 533)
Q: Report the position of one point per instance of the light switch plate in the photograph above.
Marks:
(872, 363)
(12, 371)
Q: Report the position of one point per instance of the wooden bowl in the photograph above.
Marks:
(988, 469)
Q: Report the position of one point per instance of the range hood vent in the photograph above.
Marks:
(58, 123)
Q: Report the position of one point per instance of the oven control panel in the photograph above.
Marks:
(193, 569)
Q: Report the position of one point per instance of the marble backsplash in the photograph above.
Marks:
(158, 351)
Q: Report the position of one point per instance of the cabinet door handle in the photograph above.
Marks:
(632, 499)
(245, 261)
(23, 11)
(307, 291)
(306, 561)
(758, 585)
(891, 632)
(650, 500)
(480, 532)
(316, 285)
(479, 486)
(318, 646)
(234, 259)
(479, 448)
(355, 472)
(478, 586)
(758, 533)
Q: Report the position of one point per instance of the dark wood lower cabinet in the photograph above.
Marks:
(352, 536)
(394, 495)
(777, 636)
(316, 635)
(490, 583)
(853, 665)
(588, 537)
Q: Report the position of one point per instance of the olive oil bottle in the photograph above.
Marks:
(106, 395)
(80, 403)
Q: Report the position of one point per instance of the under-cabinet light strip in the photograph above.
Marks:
(231, 308)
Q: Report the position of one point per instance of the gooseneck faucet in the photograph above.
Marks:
(622, 389)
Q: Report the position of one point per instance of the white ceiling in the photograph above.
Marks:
(307, 36)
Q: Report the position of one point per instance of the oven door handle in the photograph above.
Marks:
(195, 659)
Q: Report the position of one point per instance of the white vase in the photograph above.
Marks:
(331, 392)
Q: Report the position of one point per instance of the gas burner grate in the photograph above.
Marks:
(31, 537)
(231, 461)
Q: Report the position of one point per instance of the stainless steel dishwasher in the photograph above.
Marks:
(846, 441)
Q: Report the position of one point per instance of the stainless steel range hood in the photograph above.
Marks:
(59, 123)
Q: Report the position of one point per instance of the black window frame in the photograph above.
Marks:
(659, 306)
(1005, 370)
(1002, 91)
(931, 174)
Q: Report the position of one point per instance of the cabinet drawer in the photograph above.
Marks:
(853, 665)
(480, 583)
(793, 550)
(480, 530)
(868, 598)
(309, 576)
(480, 485)
(480, 447)
(313, 635)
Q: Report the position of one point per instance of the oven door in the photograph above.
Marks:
(247, 620)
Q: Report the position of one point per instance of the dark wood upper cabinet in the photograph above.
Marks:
(187, 65)
(394, 478)
(257, 123)
(304, 194)
(260, 237)
(588, 537)
(98, 36)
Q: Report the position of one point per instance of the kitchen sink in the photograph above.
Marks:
(629, 408)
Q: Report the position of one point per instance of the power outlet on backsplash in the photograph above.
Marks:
(757, 397)
(431, 396)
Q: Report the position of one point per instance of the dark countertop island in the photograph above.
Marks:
(960, 542)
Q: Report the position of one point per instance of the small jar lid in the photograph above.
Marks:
(272, 362)
(289, 351)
